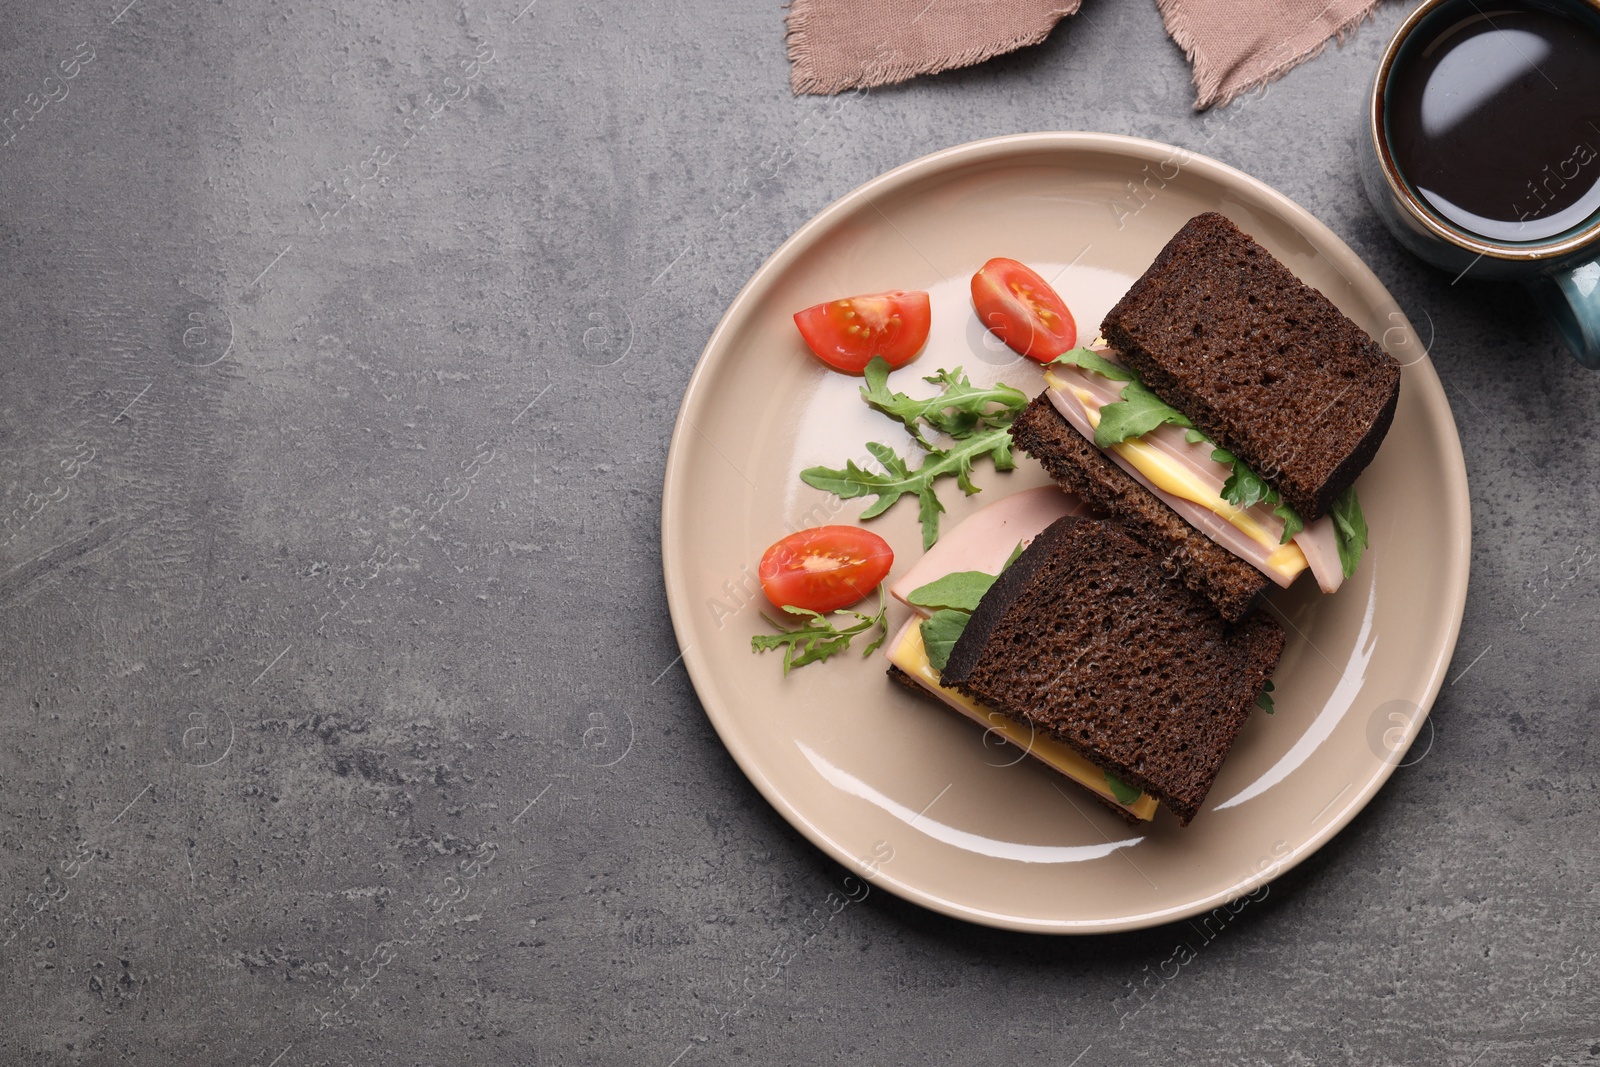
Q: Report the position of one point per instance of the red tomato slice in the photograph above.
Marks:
(825, 568)
(846, 334)
(1021, 309)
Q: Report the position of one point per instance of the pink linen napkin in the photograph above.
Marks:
(836, 45)
(1232, 45)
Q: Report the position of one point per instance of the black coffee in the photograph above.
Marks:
(1493, 113)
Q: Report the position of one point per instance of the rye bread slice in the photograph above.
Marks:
(1079, 467)
(1085, 638)
(1261, 362)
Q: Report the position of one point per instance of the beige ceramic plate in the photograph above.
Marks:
(906, 794)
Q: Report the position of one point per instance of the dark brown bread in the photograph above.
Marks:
(1079, 467)
(1086, 639)
(1261, 362)
(1010, 584)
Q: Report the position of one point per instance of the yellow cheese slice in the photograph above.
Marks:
(911, 656)
(1170, 476)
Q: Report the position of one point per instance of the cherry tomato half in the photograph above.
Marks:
(846, 334)
(1021, 309)
(824, 568)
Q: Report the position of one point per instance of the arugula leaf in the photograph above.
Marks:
(854, 481)
(956, 595)
(1349, 529)
(1125, 793)
(1136, 414)
(960, 590)
(1091, 360)
(1194, 437)
(1015, 552)
(1292, 522)
(817, 639)
(940, 632)
(1264, 699)
(960, 410)
(898, 479)
(978, 420)
(1245, 487)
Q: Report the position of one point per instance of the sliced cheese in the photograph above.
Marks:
(908, 653)
(1168, 474)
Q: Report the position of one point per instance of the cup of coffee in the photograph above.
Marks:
(1483, 149)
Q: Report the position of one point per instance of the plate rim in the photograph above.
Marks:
(1423, 377)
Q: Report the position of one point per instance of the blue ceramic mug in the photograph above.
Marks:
(1432, 77)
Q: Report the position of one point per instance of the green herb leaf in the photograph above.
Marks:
(1194, 437)
(1091, 360)
(960, 410)
(899, 480)
(1125, 793)
(854, 481)
(1015, 552)
(1292, 522)
(1244, 487)
(960, 590)
(1136, 414)
(978, 420)
(1264, 699)
(1349, 529)
(940, 632)
(818, 638)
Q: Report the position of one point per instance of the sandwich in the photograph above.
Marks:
(1083, 651)
(1209, 446)
(1224, 420)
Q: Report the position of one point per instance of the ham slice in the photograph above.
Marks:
(1321, 545)
(986, 539)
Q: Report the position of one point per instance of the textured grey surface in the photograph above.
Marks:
(330, 484)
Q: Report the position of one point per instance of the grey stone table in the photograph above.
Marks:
(340, 715)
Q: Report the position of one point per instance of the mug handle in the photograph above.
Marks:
(1572, 299)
